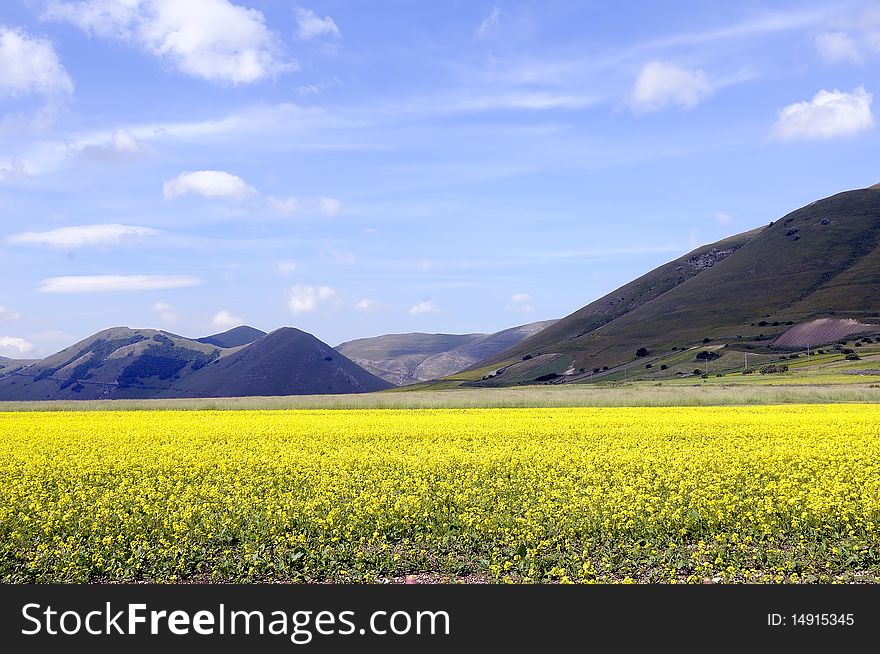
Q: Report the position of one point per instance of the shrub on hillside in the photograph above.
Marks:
(773, 368)
(642, 352)
(852, 357)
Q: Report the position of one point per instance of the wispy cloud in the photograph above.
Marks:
(310, 26)
(423, 308)
(70, 238)
(115, 283)
(166, 312)
(837, 47)
(521, 304)
(488, 24)
(344, 257)
(8, 315)
(284, 206)
(329, 206)
(366, 305)
(224, 319)
(286, 267)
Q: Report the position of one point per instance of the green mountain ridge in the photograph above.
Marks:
(818, 261)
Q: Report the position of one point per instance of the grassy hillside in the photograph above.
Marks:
(116, 362)
(821, 260)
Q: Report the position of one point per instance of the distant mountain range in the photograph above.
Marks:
(811, 277)
(408, 358)
(146, 363)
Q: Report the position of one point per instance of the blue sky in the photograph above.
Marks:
(354, 168)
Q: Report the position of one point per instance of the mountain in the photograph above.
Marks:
(116, 362)
(146, 363)
(820, 261)
(285, 362)
(235, 337)
(409, 358)
(9, 366)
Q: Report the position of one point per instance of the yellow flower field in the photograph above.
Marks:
(772, 493)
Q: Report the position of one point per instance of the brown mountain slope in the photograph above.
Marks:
(410, 358)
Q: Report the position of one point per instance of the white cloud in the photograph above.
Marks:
(8, 315)
(302, 299)
(13, 347)
(488, 24)
(210, 39)
(829, 114)
(284, 206)
(29, 64)
(226, 320)
(722, 218)
(308, 25)
(423, 308)
(521, 297)
(208, 183)
(109, 283)
(285, 268)
(69, 238)
(366, 305)
(838, 47)
(662, 84)
(165, 311)
(329, 206)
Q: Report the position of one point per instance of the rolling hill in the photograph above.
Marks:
(410, 358)
(286, 361)
(146, 363)
(820, 261)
